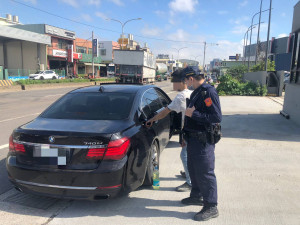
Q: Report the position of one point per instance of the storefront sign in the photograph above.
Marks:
(70, 53)
(59, 53)
(59, 32)
(77, 55)
(95, 47)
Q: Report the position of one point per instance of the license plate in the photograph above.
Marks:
(55, 156)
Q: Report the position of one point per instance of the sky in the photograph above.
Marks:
(166, 25)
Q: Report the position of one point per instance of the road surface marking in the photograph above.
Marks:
(53, 95)
(34, 114)
(3, 146)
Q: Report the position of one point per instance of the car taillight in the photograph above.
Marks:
(15, 147)
(116, 150)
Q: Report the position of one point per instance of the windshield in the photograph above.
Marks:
(111, 69)
(91, 106)
(39, 72)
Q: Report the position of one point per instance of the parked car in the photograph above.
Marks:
(43, 75)
(92, 143)
(214, 78)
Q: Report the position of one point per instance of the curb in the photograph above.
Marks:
(16, 88)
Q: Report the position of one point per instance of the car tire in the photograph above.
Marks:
(54, 78)
(154, 155)
(42, 78)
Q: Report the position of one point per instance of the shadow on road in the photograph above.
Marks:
(173, 144)
(124, 206)
(271, 127)
(5, 185)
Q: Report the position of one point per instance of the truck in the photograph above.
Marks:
(134, 66)
(161, 70)
(111, 70)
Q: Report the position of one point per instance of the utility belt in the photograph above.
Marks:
(212, 135)
(202, 136)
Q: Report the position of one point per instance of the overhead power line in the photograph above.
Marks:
(101, 28)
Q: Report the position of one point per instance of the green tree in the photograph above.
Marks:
(237, 72)
(261, 66)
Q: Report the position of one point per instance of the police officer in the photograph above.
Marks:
(201, 129)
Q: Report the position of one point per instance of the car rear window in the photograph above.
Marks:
(91, 106)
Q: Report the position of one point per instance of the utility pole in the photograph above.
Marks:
(93, 53)
(205, 45)
(269, 26)
(204, 56)
(256, 50)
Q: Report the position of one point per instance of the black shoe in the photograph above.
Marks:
(184, 187)
(208, 212)
(182, 173)
(192, 201)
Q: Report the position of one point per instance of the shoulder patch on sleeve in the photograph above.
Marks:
(208, 102)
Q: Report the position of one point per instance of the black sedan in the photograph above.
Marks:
(91, 143)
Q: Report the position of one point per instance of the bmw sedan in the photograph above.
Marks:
(92, 143)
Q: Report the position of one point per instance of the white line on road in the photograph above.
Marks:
(19, 117)
(53, 95)
(3, 146)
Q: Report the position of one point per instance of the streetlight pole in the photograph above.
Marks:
(258, 32)
(269, 26)
(123, 25)
(178, 50)
(195, 57)
(246, 44)
(205, 45)
(258, 28)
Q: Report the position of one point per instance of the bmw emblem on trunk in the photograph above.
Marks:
(51, 139)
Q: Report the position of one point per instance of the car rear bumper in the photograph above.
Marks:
(96, 184)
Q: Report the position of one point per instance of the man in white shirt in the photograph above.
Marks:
(179, 106)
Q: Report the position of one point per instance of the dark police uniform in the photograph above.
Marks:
(201, 153)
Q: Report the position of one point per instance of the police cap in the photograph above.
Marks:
(191, 71)
(177, 76)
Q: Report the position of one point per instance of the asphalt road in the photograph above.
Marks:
(257, 168)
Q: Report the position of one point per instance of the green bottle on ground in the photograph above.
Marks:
(155, 178)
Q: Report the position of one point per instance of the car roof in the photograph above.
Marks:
(121, 88)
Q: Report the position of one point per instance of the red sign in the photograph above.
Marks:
(70, 53)
(77, 55)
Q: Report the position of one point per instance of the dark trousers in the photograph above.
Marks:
(201, 166)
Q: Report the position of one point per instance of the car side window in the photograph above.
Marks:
(150, 102)
(162, 98)
(48, 72)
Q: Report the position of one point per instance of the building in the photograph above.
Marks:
(9, 20)
(128, 43)
(22, 52)
(227, 64)
(292, 91)
(57, 51)
(84, 65)
(215, 64)
(106, 52)
(280, 51)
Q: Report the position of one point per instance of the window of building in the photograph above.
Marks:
(103, 52)
(80, 49)
(90, 51)
(62, 44)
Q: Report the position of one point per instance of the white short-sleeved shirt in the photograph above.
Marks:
(179, 103)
